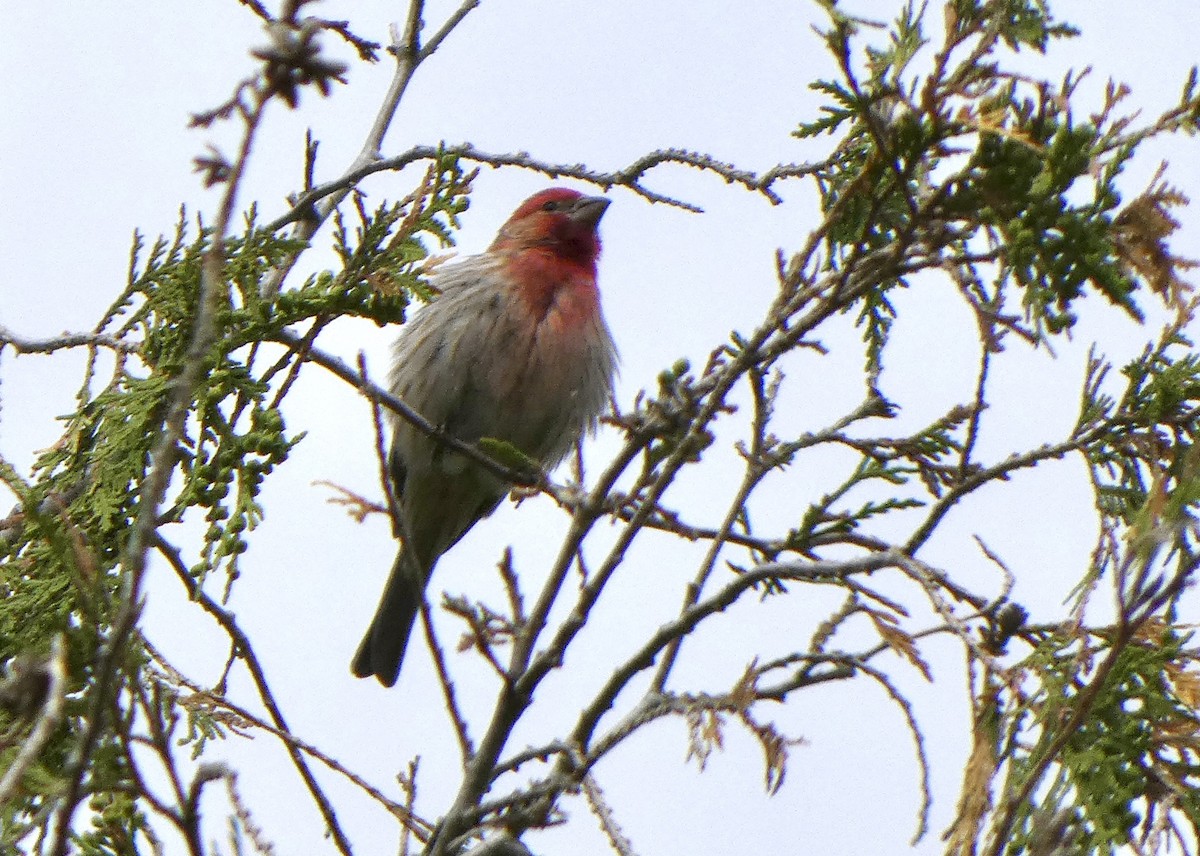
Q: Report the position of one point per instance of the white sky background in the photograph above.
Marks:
(94, 143)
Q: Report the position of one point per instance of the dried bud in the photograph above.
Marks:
(1007, 622)
(213, 166)
(293, 59)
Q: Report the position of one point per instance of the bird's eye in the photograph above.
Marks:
(552, 205)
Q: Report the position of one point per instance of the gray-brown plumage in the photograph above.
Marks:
(514, 348)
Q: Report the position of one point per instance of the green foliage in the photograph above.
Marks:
(61, 569)
(943, 164)
(1017, 22)
(944, 160)
(116, 816)
(1150, 441)
(1021, 186)
(1130, 749)
(927, 455)
(1001, 163)
(510, 456)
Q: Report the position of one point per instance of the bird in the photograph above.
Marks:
(514, 347)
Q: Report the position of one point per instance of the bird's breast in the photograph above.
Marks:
(555, 292)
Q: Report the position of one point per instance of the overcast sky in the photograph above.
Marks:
(94, 144)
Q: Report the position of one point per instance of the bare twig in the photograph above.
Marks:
(306, 214)
(629, 177)
(399, 407)
(154, 488)
(67, 340)
(608, 821)
(206, 698)
(690, 617)
(449, 694)
(245, 653)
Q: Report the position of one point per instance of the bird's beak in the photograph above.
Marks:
(588, 210)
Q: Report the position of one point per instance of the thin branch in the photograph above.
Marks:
(67, 340)
(604, 814)
(516, 697)
(645, 656)
(630, 177)
(203, 697)
(397, 405)
(989, 474)
(451, 22)
(914, 729)
(755, 471)
(449, 694)
(245, 653)
(306, 213)
(533, 753)
(154, 489)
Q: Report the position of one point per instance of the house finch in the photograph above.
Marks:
(513, 348)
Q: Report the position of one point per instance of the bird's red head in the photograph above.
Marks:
(559, 220)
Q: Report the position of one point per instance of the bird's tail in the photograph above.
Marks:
(382, 649)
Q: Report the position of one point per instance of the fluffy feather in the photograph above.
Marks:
(514, 348)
